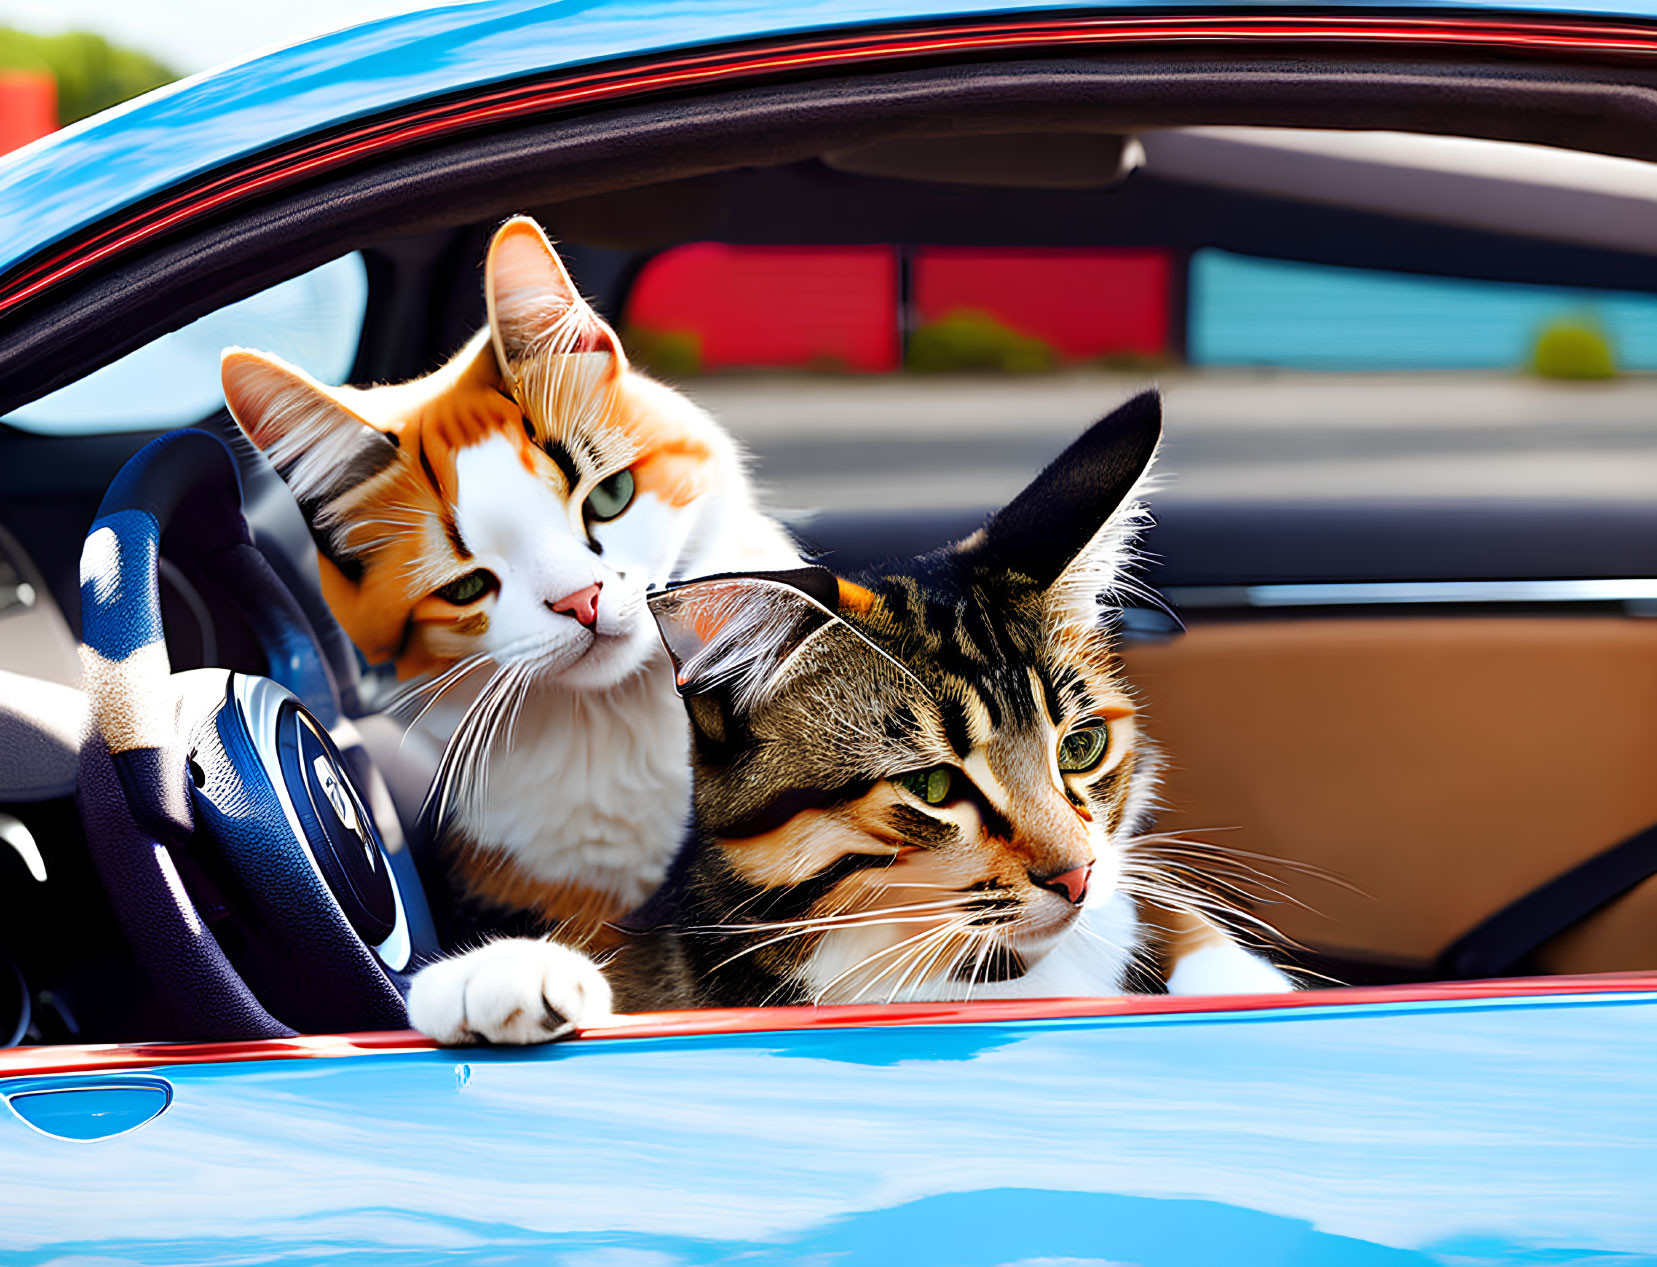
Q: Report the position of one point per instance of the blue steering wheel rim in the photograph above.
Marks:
(191, 477)
(136, 793)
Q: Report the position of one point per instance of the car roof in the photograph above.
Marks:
(76, 177)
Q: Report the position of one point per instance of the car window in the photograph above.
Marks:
(969, 366)
(314, 320)
(1385, 418)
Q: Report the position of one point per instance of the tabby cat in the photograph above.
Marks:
(924, 784)
(503, 519)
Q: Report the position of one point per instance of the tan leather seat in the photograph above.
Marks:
(1442, 766)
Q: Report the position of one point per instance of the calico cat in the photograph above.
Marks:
(508, 514)
(922, 784)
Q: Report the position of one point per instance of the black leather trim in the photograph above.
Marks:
(208, 997)
(1504, 944)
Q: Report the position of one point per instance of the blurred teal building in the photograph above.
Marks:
(1249, 311)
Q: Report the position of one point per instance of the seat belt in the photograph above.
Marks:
(1502, 945)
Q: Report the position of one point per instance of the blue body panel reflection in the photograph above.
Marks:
(1489, 1132)
(113, 160)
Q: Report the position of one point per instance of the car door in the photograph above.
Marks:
(1494, 1126)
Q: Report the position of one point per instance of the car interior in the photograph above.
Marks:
(1409, 681)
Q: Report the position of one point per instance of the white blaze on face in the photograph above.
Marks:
(647, 540)
(518, 527)
(521, 528)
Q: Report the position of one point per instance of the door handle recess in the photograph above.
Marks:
(89, 1108)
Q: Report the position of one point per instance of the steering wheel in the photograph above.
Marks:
(237, 851)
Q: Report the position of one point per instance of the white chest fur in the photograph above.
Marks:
(594, 786)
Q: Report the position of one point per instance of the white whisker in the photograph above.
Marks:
(897, 948)
(817, 920)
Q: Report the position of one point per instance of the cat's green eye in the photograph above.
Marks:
(468, 589)
(1083, 748)
(611, 496)
(932, 786)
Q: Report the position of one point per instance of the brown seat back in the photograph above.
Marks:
(1442, 766)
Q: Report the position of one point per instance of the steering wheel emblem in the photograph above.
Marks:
(328, 817)
(328, 782)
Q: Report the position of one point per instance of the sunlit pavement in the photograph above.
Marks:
(926, 442)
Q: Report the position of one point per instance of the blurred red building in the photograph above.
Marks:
(843, 307)
(28, 107)
(757, 306)
(1085, 304)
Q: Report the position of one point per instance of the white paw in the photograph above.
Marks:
(517, 990)
(1226, 968)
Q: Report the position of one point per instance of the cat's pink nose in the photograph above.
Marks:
(583, 604)
(1070, 885)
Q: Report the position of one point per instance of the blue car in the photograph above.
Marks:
(1394, 267)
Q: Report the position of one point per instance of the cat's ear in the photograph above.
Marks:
(735, 633)
(1072, 527)
(534, 308)
(319, 446)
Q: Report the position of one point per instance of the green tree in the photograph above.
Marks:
(92, 74)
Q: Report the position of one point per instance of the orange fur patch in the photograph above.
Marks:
(916, 877)
(854, 598)
(676, 472)
(707, 621)
(1176, 934)
(814, 839)
(465, 417)
(576, 915)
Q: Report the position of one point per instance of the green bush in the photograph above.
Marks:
(92, 74)
(666, 353)
(968, 339)
(1574, 347)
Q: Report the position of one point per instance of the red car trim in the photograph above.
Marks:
(1596, 40)
(21, 1061)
